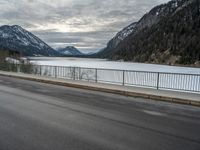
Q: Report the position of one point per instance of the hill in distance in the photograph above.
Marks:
(70, 51)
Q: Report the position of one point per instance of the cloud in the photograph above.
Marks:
(87, 24)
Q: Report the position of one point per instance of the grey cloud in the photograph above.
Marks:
(86, 41)
(87, 24)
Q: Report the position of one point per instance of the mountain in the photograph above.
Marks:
(113, 43)
(168, 34)
(18, 39)
(70, 51)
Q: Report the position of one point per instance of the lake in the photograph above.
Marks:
(105, 64)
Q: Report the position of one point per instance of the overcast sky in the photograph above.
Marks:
(86, 24)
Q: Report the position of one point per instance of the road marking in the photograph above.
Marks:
(154, 113)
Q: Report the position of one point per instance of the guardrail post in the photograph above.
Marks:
(18, 68)
(96, 76)
(74, 71)
(40, 70)
(79, 73)
(158, 80)
(123, 82)
(55, 72)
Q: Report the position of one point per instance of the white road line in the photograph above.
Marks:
(154, 113)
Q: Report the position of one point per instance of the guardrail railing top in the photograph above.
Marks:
(158, 80)
(126, 70)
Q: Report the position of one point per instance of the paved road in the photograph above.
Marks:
(37, 116)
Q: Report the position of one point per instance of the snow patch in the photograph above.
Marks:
(12, 60)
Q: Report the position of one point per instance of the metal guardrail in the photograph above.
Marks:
(158, 80)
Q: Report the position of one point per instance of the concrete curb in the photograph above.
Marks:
(114, 91)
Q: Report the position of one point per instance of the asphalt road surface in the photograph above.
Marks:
(37, 116)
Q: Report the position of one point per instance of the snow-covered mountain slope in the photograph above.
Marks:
(70, 50)
(123, 34)
(18, 39)
(115, 41)
(167, 34)
(146, 21)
